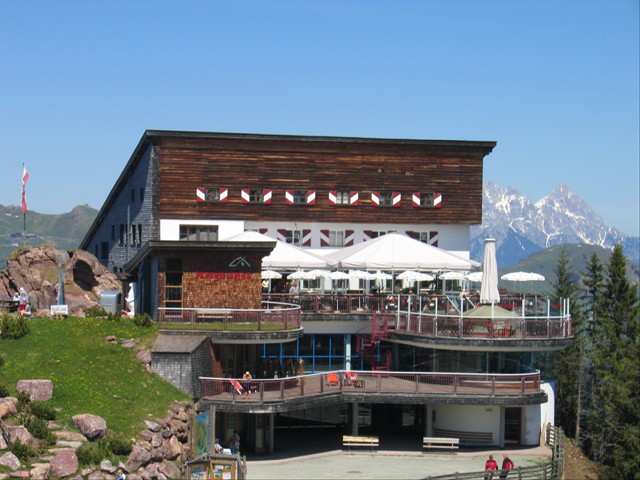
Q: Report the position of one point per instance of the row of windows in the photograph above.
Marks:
(133, 195)
(130, 236)
(308, 197)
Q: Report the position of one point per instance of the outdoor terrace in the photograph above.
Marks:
(291, 393)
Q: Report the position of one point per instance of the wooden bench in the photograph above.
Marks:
(441, 443)
(357, 441)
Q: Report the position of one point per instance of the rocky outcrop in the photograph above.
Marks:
(37, 269)
(162, 450)
(38, 390)
(92, 426)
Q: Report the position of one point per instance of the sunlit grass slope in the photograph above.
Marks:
(89, 374)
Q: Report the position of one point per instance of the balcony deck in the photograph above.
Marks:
(291, 393)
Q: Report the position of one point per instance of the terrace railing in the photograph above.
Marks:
(367, 382)
(275, 316)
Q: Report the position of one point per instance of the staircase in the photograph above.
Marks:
(367, 343)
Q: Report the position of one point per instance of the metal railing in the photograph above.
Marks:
(552, 470)
(377, 382)
(275, 316)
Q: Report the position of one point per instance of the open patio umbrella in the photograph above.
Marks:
(270, 275)
(475, 277)
(414, 276)
(489, 293)
(522, 277)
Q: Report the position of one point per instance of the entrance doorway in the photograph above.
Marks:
(512, 425)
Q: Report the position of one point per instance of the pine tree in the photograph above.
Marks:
(593, 281)
(617, 374)
(567, 365)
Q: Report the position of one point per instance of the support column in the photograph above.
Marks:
(355, 408)
(272, 427)
(347, 352)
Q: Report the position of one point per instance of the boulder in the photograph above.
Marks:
(34, 267)
(10, 461)
(138, 457)
(92, 426)
(22, 435)
(170, 470)
(64, 463)
(39, 471)
(38, 390)
(8, 406)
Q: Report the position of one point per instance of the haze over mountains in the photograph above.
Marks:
(520, 226)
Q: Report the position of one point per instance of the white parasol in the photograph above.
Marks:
(270, 275)
(489, 293)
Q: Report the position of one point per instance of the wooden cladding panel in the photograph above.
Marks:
(453, 171)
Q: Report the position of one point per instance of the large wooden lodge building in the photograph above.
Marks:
(164, 226)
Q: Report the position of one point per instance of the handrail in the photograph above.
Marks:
(552, 470)
(277, 316)
(376, 382)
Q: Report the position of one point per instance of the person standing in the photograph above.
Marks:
(23, 302)
(246, 383)
(507, 465)
(490, 468)
(234, 442)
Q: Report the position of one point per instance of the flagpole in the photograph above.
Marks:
(25, 177)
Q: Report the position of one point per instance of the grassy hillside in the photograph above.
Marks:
(64, 231)
(90, 375)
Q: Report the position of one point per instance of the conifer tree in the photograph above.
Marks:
(567, 365)
(615, 414)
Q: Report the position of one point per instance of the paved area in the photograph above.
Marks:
(306, 460)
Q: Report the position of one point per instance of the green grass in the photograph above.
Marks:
(90, 375)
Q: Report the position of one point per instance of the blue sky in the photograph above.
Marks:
(555, 83)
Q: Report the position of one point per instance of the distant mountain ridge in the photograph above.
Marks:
(64, 231)
(522, 227)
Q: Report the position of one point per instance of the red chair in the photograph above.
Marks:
(332, 379)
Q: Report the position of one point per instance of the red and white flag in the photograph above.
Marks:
(25, 177)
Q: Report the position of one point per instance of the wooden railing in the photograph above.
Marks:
(362, 382)
(275, 316)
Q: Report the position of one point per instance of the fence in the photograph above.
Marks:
(552, 470)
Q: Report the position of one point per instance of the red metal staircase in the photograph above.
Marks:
(368, 342)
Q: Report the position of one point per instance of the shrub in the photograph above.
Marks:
(24, 399)
(43, 410)
(2, 359)
(118, 445)
(143, 320)
(95, 312)
(20, 450)
(39, 429)
(91, 453)
(4, 391)
(13, 327)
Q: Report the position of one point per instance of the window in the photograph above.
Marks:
(173, 283)
(113, 233)
(133, 235)
(342, 198)
(386, 199)
(141, 194)
(133, 195)
(139, 233)
(199, 233)
(104, 252)
(336, 238)
(256, 196)
(123, 236)
(299, 197)
(423, 237)
(427, 200)
(212, 194)
(376, 234)
(294, 237)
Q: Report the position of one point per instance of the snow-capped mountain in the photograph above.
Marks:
(522, 227)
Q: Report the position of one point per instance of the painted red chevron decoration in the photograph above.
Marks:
(200, 194)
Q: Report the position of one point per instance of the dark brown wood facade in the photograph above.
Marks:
(281, 163)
